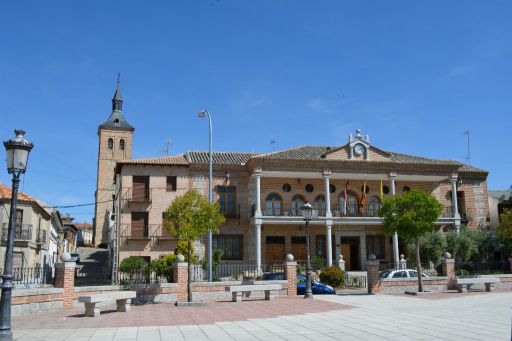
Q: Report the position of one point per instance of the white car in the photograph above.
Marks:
(402, 273)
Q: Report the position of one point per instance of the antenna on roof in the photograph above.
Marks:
(468, 155)
(167, 144)
(273, 143)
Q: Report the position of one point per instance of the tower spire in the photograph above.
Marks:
(117, 101)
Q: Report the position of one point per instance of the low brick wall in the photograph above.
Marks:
(26, 301)
(398, 285)
(216, 290)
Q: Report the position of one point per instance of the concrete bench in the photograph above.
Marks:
(122, 298)
(238, 290)
(463, 283)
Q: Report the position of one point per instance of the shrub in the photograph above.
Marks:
(131, 264)
(163, 266)
(332, 276)
(432, 247)
(318, 262)
(463, 247)
(462, 272)
(182, 248)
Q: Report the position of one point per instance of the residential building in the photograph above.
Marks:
(70, 234)
(31, 229)
(261, 195)
(498, 201)
(85, 234)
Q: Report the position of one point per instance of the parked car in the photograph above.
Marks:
(317, 287)
(401, 273)
(75, 256)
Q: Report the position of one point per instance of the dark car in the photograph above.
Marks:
(75, 256)
(317, 287)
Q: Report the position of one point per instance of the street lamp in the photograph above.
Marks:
(308, 213)
(203, 114)
(17, 157)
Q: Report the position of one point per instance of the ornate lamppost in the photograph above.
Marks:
(18, 150)
(308, 213)
(203, 114)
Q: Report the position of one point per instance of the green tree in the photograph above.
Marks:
(189, 217)
(462, 246)
(504, 230)
(163, 266)
(411, 215)
(432, 247)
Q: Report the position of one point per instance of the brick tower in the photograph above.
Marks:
(115, 143)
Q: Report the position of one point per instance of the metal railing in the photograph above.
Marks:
(150, 231)
(21, 231)
(92, 274)
(231, 212)
(235, 271)
(142, 194)
(482, 267)
(144, 275)
(355, 280)
(36, 276)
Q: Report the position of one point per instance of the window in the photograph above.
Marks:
(297, 202)
(320, 246)
(367, 189)
(400, 274)
(171, 184)
(385, 189)
(287, 188)
(110, 144)
(274, 204)
(165, 232)
(227, 200)
(351, 204)
(406, 189)
(231, 245)
(309, 188)
(320, 204)
(140, 188)
(332, 188)
(121, 144)
(375, 245)
(373, 206)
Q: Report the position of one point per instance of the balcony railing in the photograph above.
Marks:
(294, 210)
(231, 212)
(21, 231)
(138, 194)
(149, 231)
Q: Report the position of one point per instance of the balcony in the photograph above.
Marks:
(293, 210)
(144, 232)
(138, 194)
(231, 212)
(22, 232)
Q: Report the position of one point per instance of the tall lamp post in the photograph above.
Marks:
(308, 213)
(203, 114)
(17, 156)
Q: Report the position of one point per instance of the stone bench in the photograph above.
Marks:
(122, 298)
(238, 290)
(463, 283)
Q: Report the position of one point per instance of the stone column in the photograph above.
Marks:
(290, 268)
(372, 271)
(65, 278)
(180, 277)
(448, 264)
(258, 245)
(257, 175)
(328, 217)
(392, 178)
(455, 204)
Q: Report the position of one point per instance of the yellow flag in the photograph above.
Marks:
(381, 191)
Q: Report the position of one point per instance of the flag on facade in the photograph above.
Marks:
(381, 191)
(363, 197)
(345, 198)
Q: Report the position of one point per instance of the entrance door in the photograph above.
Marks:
(350, 252)
(299, 249)
(275, 250)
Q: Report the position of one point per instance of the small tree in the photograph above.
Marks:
(504, 230)
(189, 217)
(411, 215)
(462, 246)
(432, 247)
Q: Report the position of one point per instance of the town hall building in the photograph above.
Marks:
(260, 195)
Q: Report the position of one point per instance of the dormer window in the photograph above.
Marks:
(121, 144)
(110, 144)
(116, 122)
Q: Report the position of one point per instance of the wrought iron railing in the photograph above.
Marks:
(21, 231)
(355, 280)
(92, 274)
(482, 267)
(138, 194)
(231, 212)
(235, 271)
(37, 276)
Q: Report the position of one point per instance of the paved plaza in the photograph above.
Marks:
(442, 316)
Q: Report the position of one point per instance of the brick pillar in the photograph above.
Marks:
(449, 270)
(65, 278)
(290, 271)
(180, 277)
(372, 271)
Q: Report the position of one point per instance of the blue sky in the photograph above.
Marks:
(413, 75)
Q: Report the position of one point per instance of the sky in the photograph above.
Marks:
(413, 75)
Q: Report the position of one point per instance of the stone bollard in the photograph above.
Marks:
(290, 268)
(402, 263)
(448, 264)
(180, 277)
(372, 271)
(65, 279)
(341, 263)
